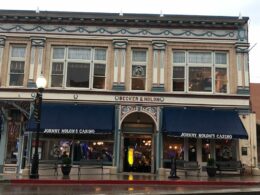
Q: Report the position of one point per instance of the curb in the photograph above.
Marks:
(127, 182)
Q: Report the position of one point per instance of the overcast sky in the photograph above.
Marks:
(250, 8)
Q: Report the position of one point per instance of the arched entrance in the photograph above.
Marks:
(138, 143)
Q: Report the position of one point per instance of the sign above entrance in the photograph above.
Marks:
(138, 99)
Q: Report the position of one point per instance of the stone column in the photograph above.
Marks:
(36, 66)
(3, 139)
(242, 68)
(158, 65)
(2, 44)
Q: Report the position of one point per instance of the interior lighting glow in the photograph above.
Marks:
(130, 156)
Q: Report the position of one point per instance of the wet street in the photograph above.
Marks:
(83, 189)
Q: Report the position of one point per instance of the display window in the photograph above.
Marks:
(12, 143)
(192, 150)
(97, 147)
(225, 150)
(173, 147)
(205, 150)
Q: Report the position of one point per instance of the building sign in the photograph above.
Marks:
(69, 131)
(206, 135)
(139, 99)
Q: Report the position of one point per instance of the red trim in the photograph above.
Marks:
(127, 182)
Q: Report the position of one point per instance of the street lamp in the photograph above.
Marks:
(41, 84)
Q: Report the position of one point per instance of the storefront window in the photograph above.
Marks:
(172, 146)
(225, 150)
(192, 150)
(205, 150)
(94, 148)
(13, 143)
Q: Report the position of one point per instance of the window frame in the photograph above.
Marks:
(211, 65)
(226, 66)
(90, 61)
(199, 65)
(176, 64)
(139, 63)
(16, 59)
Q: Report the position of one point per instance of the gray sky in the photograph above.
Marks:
(248, 8)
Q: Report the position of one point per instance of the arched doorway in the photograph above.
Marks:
(138, 143)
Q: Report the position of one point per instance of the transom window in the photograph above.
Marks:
(200, 71)
(17, 63)
(139, 61)
(79, 67)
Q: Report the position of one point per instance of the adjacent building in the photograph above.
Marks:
(131, 89)
(254, 96)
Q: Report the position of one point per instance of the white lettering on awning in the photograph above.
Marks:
(206, 135)
(69, 131)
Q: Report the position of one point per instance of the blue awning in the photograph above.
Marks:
(75, 119)
(203, 123)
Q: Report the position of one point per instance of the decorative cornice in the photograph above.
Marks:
(159, 45)
(117, 19)
(38, 41)
(2, 41)
(150, 110)
(120, 43)
(119, 31)
(242, 47)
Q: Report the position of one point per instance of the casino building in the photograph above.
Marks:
(131, 89)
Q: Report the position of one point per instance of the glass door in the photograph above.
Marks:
(137, 153)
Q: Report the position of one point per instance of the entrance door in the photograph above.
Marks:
(137, 153)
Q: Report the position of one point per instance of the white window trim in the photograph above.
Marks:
(174, 64)
(16, 59)
(187, 65)
(221, 66)
(91, 61)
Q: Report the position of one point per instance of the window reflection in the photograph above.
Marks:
(205, 150)
(200, 79)
(81, 149)
(172, 147)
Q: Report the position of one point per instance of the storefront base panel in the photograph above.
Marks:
(1, 168)
(10, 168)
(74, 171)
(183, 173)
(256, 171)
(113, 170)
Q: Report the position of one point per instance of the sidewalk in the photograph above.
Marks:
(133, 178)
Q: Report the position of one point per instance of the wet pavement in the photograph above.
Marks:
(128, 184)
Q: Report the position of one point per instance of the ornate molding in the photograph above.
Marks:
(119, 31)
(120, 43)
(38, 41)
(152, 111)
(242, 47)
(159, 45)
(2, 41)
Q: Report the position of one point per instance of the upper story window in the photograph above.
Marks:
(139, 62)
(17, 63)
(199, 71)
(78, 67)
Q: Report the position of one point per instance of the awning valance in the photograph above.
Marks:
(203, 123)
(75, 118)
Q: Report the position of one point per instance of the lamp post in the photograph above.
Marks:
(41, 84)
